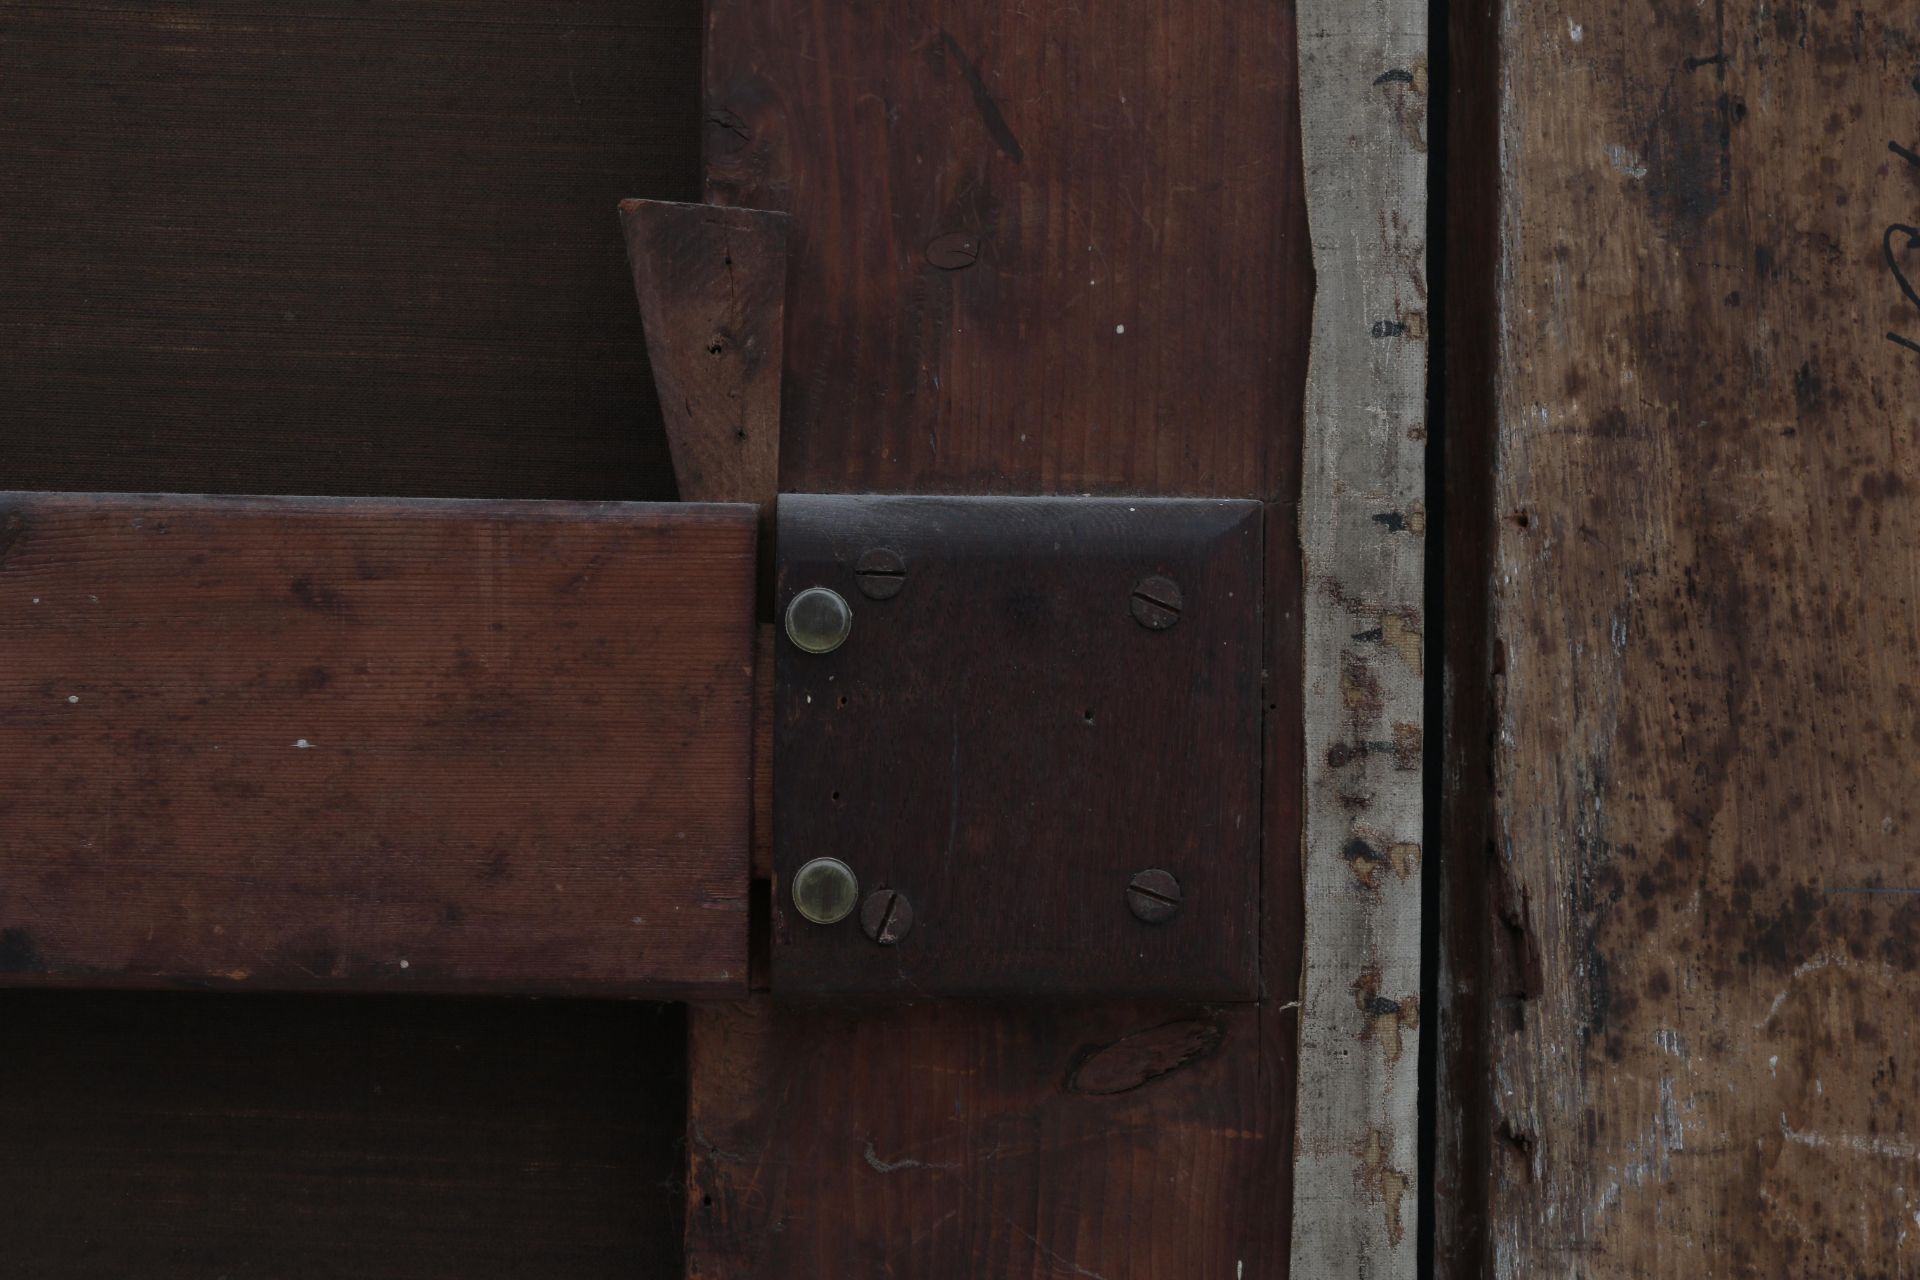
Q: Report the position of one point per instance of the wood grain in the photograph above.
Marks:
(1031, 246)
(1363, 92)
(711, 283)
(1037, 249)
(1704, 642)
(335, 247)
(954, 1140)
(360, 744)
(1005, 746)
(185, 1136)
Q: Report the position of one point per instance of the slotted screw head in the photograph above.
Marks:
(881, 573)
(825, 891)
(1156, 602)
(818, 620)
(1154, 895)
(886, 916)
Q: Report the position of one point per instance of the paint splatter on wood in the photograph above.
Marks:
(1363, 94)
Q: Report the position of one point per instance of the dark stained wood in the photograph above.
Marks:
(712, 287)
(362, 744)
(1156, 187)
(1004, 745)
(1481, 963)
(335, 247)
(1035, 249)
(187, 1136)
(959, 1140)
(1705, 891)
(763, 753)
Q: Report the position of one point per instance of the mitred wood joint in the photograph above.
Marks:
(1029, 734)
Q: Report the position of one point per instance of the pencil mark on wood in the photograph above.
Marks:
(1899, 273)
(990, 114)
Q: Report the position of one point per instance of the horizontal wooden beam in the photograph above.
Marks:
(357, 745)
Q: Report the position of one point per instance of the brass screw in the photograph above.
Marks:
(818, 620)
(1155, 602)
(825, 891)
(881, 573)
(886, 916)
(1154, 895)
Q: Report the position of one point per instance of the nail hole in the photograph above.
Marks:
(836, 797)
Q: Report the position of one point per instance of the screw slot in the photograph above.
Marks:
(1156, 602)
(881, 573)
(886, 916)
(1154, 895)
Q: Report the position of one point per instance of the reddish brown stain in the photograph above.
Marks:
(1143, 1057)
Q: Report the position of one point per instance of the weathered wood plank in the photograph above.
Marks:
(1363, 85)
(354, 744)
(1037, 249)
(1704, 641)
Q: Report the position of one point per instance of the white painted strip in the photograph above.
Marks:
(1363, 89)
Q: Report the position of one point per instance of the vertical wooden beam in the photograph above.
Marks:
(1037, 249)
(1705, 642)
(1363, 83)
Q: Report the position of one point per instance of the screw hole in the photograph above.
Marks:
(836, 797)
(1087, 716)
(706, 1202)
(843, 699)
